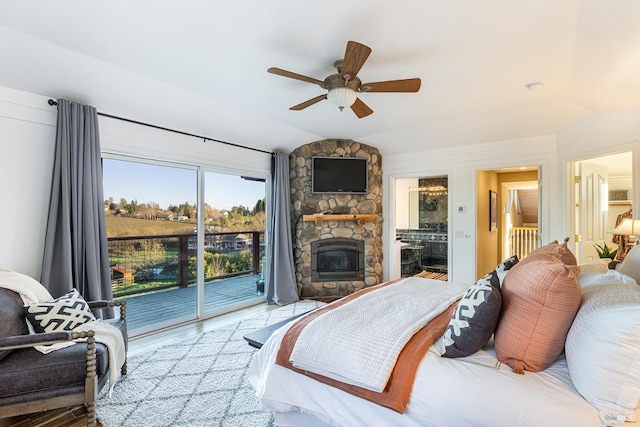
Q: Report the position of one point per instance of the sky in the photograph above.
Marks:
(173, 186)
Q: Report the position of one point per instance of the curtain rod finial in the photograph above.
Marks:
(52, 102)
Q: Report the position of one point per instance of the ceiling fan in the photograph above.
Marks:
(343, 87)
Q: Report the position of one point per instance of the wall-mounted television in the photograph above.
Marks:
(339, 175)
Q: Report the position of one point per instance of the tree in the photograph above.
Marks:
(151, 210)
(185, 209)
(239, 211)
(130, 207)
(260, 206)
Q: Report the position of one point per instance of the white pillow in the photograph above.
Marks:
(611, 277)
(631, 263)
(592, 269)
(603, 348)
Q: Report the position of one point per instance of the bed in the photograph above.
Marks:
(593, 381)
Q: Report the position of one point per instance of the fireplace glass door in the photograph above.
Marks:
(337, 259)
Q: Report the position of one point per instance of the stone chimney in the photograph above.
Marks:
(304, 202)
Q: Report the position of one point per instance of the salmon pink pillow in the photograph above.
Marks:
(560, 250)
(540, 298)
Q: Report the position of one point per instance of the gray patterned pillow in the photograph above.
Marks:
(502, 268)
(62, 314)
(476, 317)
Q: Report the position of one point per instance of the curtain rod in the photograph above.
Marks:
(205, 138)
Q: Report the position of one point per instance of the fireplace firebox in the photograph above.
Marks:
(337, 259)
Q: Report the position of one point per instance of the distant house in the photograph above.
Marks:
(223, 243)
(175, 218)
(234, 242)
(121, 276)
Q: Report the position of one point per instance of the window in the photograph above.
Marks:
(156, 253)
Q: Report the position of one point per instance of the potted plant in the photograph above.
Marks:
(605, 252)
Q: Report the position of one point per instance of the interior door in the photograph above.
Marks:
(592, 209)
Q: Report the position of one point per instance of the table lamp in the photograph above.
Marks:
(628, 227)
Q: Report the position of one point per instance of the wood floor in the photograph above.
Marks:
(68, 417)
(77, 416)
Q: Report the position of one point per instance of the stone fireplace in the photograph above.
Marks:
(337, 259)
(353, 221)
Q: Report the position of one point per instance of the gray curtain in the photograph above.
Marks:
(75, 246)
(281, 280)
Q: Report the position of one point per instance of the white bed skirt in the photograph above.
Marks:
(296, 419)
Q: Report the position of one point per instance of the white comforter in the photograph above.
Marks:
(358, 343)
(472, 391)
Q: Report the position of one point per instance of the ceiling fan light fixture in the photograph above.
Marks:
(342, 97)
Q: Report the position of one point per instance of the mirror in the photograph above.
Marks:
(428, 205)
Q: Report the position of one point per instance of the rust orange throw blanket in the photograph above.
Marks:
(398, 390)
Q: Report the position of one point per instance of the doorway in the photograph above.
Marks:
(422, 218)
(508, 220)
(602, 195)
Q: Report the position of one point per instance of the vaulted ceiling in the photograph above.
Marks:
(201, 66)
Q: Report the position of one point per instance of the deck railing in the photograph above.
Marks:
(523, 240)
(142, 264)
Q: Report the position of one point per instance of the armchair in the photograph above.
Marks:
(31, 381)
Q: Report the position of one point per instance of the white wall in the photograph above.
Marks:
(461, 165)
(119, 138)
(27, 135)
(599, 133)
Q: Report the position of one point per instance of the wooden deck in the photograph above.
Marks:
(171, 305)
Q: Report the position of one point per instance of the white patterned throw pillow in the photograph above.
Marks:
(61, 314)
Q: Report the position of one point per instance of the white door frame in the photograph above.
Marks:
(569, 167)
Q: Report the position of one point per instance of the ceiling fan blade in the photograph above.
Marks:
(406, 85)
(361, 109)
(354, 57)
(285, 73)
(308, 103)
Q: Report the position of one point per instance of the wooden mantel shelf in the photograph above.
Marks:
(360, 219)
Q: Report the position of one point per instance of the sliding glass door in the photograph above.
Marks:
(150, 215)
(233, 241)
(183, 243)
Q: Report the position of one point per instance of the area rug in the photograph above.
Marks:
(201, 381)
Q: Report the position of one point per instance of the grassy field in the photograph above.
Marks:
(118, 226)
